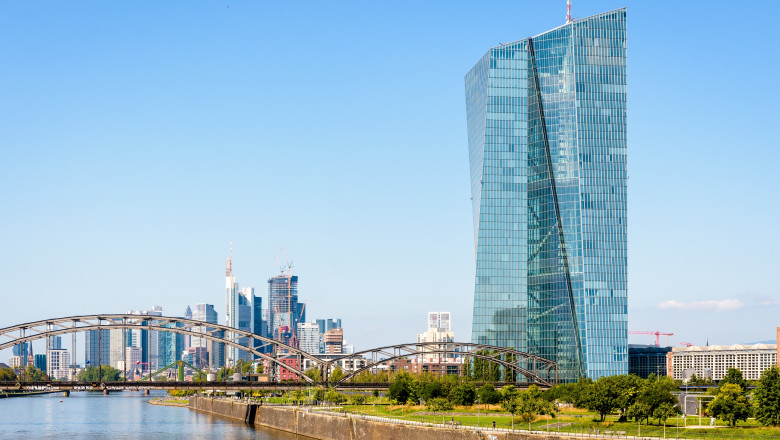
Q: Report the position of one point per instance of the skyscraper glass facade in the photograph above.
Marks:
(546, 121)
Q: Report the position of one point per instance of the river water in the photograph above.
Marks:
(121, 415)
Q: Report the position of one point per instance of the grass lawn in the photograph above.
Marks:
(575, 420)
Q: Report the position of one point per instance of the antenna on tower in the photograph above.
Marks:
(568, 11)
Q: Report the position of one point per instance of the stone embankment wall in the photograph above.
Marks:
(338, 427)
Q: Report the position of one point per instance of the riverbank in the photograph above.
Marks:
(162, 401)
(323, 425)
(25, 394)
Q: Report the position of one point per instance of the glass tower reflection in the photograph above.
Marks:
(546, 121)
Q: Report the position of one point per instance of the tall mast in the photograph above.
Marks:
(568, 11)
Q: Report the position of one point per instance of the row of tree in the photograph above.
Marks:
(30, 373)
(734, 401)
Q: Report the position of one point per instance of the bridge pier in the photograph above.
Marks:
(66, 393)
(146, 392)
(105, 392)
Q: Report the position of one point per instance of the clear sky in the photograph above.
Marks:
(138, 139)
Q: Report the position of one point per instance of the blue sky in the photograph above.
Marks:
(138, 139)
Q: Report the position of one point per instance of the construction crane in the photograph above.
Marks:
(687, 344)
(657, 335)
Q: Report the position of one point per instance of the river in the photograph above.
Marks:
(121, 415)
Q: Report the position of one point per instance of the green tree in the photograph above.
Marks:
(463, 394)
(259, 369)
(358, 399)
(734, 375)
(401, 388)
(656, 392)
(319, 394)
(487, 394)
(730, 404)
(336, 375)
(438, 404)
(628, 387)
(431, 390)
(603, 397)
(314, 374)
(508, 392)
(7, 375)
(334, 397)
(105, 373)
(160, 378)
(297, 395)
(663, 412)
(767, 397)
(34, 374)
(639, 411)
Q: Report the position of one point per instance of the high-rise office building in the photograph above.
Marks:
(22, 350)
(97, 347)
(40, 362)
(216, 350)
(309, 337)
(439, 320)
(232, 308)
(246, 320)
(186, 338)
(334, 341)
(117, 346)
(58, 364)
(284, 309)
(546, 121)
(147, 340)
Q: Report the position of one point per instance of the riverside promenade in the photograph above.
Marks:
(329, 425)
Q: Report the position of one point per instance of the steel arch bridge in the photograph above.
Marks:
(522, 363)
(506, 357)
(213, 332)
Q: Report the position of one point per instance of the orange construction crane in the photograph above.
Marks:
(657, 336)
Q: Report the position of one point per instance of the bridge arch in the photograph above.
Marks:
(17, 334)
(382, 355)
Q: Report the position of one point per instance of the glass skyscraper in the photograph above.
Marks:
(546, 121)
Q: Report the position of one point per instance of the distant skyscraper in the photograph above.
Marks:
(40, 362)
(309, 337)
(187, 315)
(58, 364)
(216, 350)
(246, 320)
(147, 340)
(232, 307)
(325, 325)
(334, 341)
(56, 342)
(258, 327)
(116, 346)
(285, 310)
(22, 350)
(546, 121)
(97, 347)
(439, 320)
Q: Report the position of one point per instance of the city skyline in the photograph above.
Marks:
(122, 147)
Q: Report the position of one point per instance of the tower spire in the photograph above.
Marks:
(568, 11)
(229, 262)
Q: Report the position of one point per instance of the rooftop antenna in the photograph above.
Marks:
(568, 11)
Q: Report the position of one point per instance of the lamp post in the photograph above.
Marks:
(677, 419)
(477, 411)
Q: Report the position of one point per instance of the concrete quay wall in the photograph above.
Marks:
(339, 427)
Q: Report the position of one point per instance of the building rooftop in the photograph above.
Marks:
(735, 347)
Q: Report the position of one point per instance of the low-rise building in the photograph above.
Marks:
(644, 360)
(715, 360)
